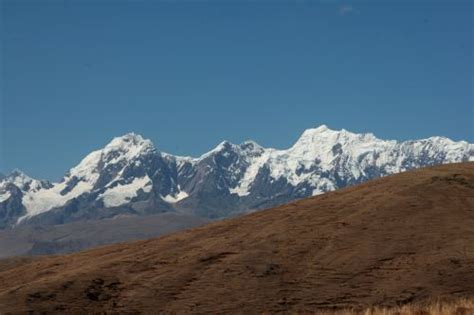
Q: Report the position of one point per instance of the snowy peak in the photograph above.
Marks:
(130, 143)
(110, 163)
(324, 135)
(127, 147)
(120, 150)
(105, 172)
(18, 178)
(225, 148)
(22, 181)
(318, 130)
(314, 133)
(314, 137)
(18, 183)
(221, 148)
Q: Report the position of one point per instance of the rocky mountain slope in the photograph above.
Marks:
(405, 238)
(131, 176)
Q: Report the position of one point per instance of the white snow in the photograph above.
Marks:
(87, 169)
(40, 201)
(4, 196)
(317, 192)
(175, 198)
(21, 180)
(313, 155)
(122, 194)
(241, 190)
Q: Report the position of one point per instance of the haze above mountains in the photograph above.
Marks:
(130, 176)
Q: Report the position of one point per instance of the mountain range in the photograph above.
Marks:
(130, 176)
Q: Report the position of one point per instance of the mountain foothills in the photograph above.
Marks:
(130, 176)
(407, 238)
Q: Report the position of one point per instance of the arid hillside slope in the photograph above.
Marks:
(401, 239)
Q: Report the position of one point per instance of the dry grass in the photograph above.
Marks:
(459, 307)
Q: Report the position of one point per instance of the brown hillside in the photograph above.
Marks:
(401, 239)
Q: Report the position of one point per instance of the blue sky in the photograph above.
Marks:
(188, 74)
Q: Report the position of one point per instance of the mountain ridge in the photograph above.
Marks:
(131, 176)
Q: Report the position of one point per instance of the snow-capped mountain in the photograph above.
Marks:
(130, 176)
(12, 189)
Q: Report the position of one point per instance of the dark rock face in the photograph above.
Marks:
(12, 208)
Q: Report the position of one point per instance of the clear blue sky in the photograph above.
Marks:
(188, 74)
